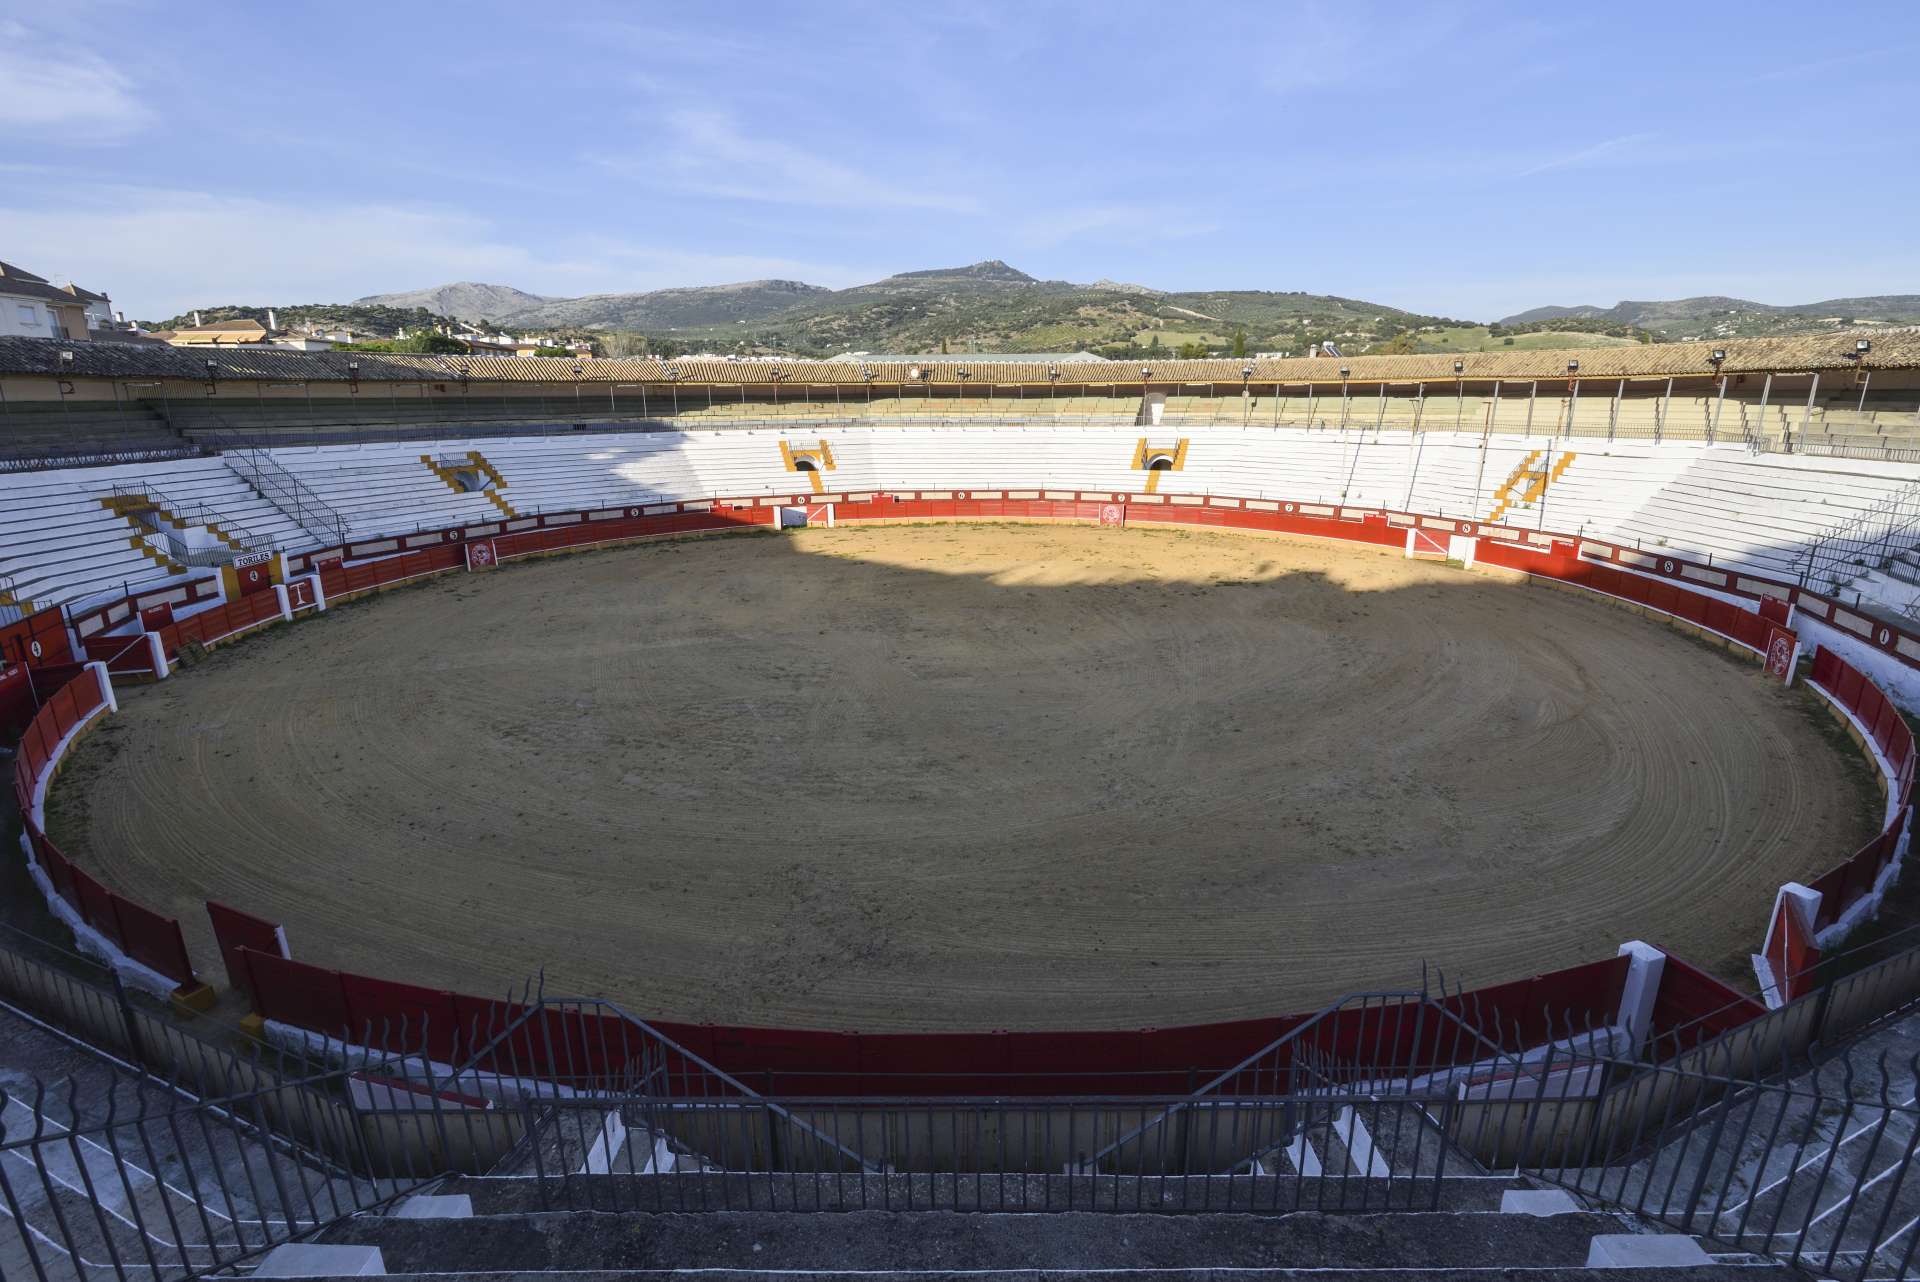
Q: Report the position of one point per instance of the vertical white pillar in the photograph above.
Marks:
(1645, 965)
(157, 653)
(106, 684)
(319, 593)
(280, 595)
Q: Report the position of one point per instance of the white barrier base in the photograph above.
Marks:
(90, 941)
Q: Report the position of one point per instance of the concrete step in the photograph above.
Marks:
(723, 1191)
(1715, 1272)
(952, 1243)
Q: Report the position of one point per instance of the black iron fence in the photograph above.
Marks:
(204, 1148)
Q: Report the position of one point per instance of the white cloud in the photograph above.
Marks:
(706, 153)
(159, 252)
(58, 93)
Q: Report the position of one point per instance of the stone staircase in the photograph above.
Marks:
(600, 1194)
(470, 1227)
(119, 1185)
(1817, 1165)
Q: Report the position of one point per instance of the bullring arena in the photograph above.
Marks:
(970, 776)
(1223, 786)
(885, 698)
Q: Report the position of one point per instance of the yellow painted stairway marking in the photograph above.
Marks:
(492, 473)
(128, 507)
(1145, 455)
(1531, 479)
(821, 458)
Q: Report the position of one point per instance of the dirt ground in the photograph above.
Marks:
(969, 777)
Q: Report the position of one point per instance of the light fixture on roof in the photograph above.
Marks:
(963, 373)
(913, 371)
(1053, 371)
(866, 372)
(1459, 366)
(1345, 371)
(66, 357)
(673, 373)
(1861, 346)
(213, 369)
(1573, 367)
(1719, 354)
(1246, 371)
(1145, 373)
(577, 371)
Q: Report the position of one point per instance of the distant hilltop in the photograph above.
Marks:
(992, 306)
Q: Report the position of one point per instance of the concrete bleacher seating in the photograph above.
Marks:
(383, 489)
(59, 544)
(39, 437)
(1720, 502)
(1759, 511)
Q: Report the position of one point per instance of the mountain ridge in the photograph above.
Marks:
(992, 306)
(1722, 315)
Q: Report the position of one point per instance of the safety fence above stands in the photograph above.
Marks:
(1654, 1000)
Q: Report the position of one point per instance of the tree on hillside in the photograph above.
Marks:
(429, 340)
(1239, 343)
(1400, 344)
(623, 342)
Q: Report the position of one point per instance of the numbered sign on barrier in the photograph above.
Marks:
(481, 555)
(1783, 648)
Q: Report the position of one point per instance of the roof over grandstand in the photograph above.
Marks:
(1897, 349)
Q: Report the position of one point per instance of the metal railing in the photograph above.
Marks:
(286, 492)
(196, 512)
(1869, 541)
(1815, 1169)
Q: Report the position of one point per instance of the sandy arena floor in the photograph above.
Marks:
(945, 777)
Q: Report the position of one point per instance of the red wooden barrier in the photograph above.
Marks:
(234, 930)
(1843, 886)
(153, 940)
(1791, 953)
(39, 638)
(1693, 1007)
(803, 1061)
(124, 655)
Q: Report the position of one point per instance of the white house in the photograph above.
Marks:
(32, 307)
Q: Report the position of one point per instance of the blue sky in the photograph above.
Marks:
(1464, 159)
